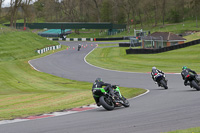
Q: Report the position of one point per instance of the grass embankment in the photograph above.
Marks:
(25, 92)
(115, 58)
(176, 28)
(190, 130)
(192, 37)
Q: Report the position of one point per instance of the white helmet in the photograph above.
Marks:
(153, 68)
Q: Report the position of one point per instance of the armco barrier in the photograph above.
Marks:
(165, 49)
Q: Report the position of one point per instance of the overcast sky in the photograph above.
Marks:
(6, 3)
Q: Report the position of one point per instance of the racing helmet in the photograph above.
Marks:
(184, 67)
(153, 68)
(98, 80)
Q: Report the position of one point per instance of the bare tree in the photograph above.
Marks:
(98, 10)
(163, 11)
(69, 9)
(195, 9)
(1, 2)
(155, 11)
(127, 6)
(26, 9)
(14, 5)
(106, 11)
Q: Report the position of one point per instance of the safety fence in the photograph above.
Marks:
(90, 39)
(160, 50)
(71, 39)
(41, 51)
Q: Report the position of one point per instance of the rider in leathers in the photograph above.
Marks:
(185, 72)
(99, 84)
(79, 47)
(155, 70)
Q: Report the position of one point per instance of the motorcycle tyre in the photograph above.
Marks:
(105, 105)
(195, 85)
(164, 84)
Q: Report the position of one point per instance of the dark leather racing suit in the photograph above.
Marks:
(185, 73)
(107, 87)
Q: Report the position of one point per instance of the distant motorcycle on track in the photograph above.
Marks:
(160, 79)
(79, 47)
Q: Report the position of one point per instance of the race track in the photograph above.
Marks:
(158, 111)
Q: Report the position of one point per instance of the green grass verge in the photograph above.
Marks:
(190, 130)
(192, 37)
(115, 58)
(25, 92)
(189, 25)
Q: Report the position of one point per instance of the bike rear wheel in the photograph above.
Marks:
(195, 85)
(164, 84)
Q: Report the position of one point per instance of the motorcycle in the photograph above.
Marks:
(107, 101)
(79, 47)
(194, 81)
(160, 79)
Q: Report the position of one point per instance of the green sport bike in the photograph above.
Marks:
(107, 101)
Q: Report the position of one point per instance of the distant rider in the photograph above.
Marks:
(185, 72)
(155, 70)
(79, 47)
(99, 84)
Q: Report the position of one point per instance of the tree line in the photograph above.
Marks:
(130, 12)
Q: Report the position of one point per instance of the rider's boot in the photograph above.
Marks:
(98, 104)
(187, 84)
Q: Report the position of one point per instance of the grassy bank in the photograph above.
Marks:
(190, 130)
(116, 58)
(25, 92)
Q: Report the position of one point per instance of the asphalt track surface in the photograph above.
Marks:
(158, 111)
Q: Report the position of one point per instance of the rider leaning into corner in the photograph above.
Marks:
(99, 84)
(185, 72)
(155, 70)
